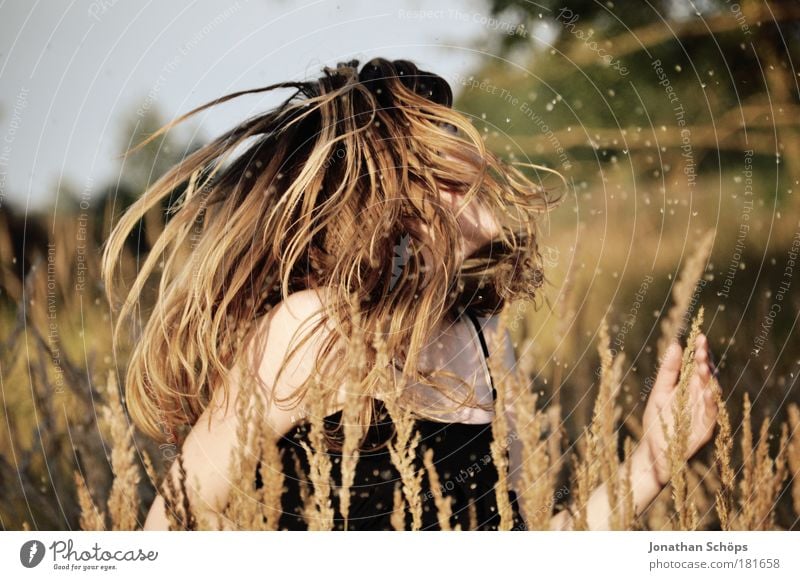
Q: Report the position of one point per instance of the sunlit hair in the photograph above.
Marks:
(321, 192)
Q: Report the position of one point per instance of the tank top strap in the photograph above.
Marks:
(471, 315)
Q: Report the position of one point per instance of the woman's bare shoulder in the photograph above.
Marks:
(290, 330)
(294, 315)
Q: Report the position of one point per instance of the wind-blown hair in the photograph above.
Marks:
(320, 192)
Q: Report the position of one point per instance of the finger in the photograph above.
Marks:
(701, 359)
(704, 414)
(712, 363)
(704, 372)
(710, 404)
(697, 390)
(701, 348)
(711, 412)
(670, 368)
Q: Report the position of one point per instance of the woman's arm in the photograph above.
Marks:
(208, 449)
(644, 484)
(650, 469)
(649, 465)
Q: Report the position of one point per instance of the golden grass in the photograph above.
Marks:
(538, 476)
(739, 489)
(321, 516)
(686, 510)
(723, 446)
(598, 462)
(403, 453)
(501, 436)
(177, 507)
(683, 291)
(398, 518)
(123, 501)
(793, 455)
(762, 477)
(443, 504)
(353, 431)
(91, 517)
(257, 451)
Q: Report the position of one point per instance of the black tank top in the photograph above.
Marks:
(462, 457)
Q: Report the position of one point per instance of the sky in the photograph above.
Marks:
(70, 72)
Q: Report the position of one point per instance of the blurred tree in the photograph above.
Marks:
(605, 80)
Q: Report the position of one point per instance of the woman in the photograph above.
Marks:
(349, 253)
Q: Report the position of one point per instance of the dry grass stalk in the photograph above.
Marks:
(398, 517)
(762, 473)
(793, 455)
(556, 432)
(500, 428)
(762, 477)
(92, 519)
(723, 445)
(586, 474)
(264, 447)
(177, 507)
(683, 291)
(269, 495)
(123, 500)
(598, 461)
(353, 431)
(657, 516)
(472, 516)
(239, 508)
(745, 517)
(769, 477)
(308, 506)
(604, 437)
(350, 452)
(149, 469)
(256, 453)
(699, 492)
(537, 479)
(443, 504)
(321, 518)
(403, 447)
(781, 471)
(566, 306)
(685, 509)
(627, 518)
(403, 453)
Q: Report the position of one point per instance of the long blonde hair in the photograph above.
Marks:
(270, 207)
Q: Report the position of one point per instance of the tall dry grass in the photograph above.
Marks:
(746, 475)
(748, 505)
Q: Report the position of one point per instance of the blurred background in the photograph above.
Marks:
(675, 123)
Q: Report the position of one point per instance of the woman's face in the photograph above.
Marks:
(477, 223)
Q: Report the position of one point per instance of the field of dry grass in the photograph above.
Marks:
(70, 459)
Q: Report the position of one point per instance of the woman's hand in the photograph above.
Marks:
(477, 223)
(702, 407)
(649, 464)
